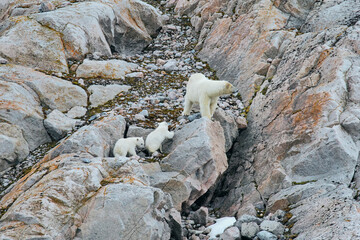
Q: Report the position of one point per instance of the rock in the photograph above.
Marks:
(46, 7)
(232, 233)
(41, 46)
(170, 65)
(135, 75)
(20, 106)
(229, 126)
(264, 235)
(76, 112)
(247, 219)
(139, 213)
(173, 183)
(58, 125)
(200, 143)
(3, 61)
(113, 69)
(13, 147)
(278, 216)
(137, 23)
(200, 216)
(249, 230)
(97, 139)
(53, 92)
(135, 131)
(75, 189)
(101, 94)
(272, 226)
(175, 224)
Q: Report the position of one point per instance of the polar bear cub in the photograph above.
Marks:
(155, 139)
(125, 146)
(206, 92)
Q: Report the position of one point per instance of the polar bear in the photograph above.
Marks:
(155, 139)
(206, 92)
(123, 146)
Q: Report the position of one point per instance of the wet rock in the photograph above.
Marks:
(264, 235)
(58, 125)
(34, 38)
(113, 69)
(13, 147)
(198, 152)
(101, 94)
(272, 226)
(76, 112)
(232, 233)
(249, 230)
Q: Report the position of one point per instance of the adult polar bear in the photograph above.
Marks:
(206, 92)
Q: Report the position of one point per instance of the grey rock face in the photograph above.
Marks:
(74, 199)
(201, 170)
(34, 39)
(52, 92)
(58, 125)
(135, 131)
(101, 94)
(136, 217)
(229, 125)
(20, 106)
(13, 147)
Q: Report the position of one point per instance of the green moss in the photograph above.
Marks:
(303, 183)
(264, 90)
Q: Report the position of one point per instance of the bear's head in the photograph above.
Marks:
(163, 125)
(229, 88)
(140, 142)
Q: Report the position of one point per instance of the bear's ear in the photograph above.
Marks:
(228, 86)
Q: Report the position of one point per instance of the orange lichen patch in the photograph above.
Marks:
(19, 19)
(323, 55)
(71, 50)
(311, 108)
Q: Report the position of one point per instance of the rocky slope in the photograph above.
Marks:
(80, 75)
(297, 66)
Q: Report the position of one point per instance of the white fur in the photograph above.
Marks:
(206, 92)
(124, 146)
(155, 139)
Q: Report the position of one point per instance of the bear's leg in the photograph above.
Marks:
(160, 148)
(205, 106)
(132, 152)
(187, 107)
(213, 105)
